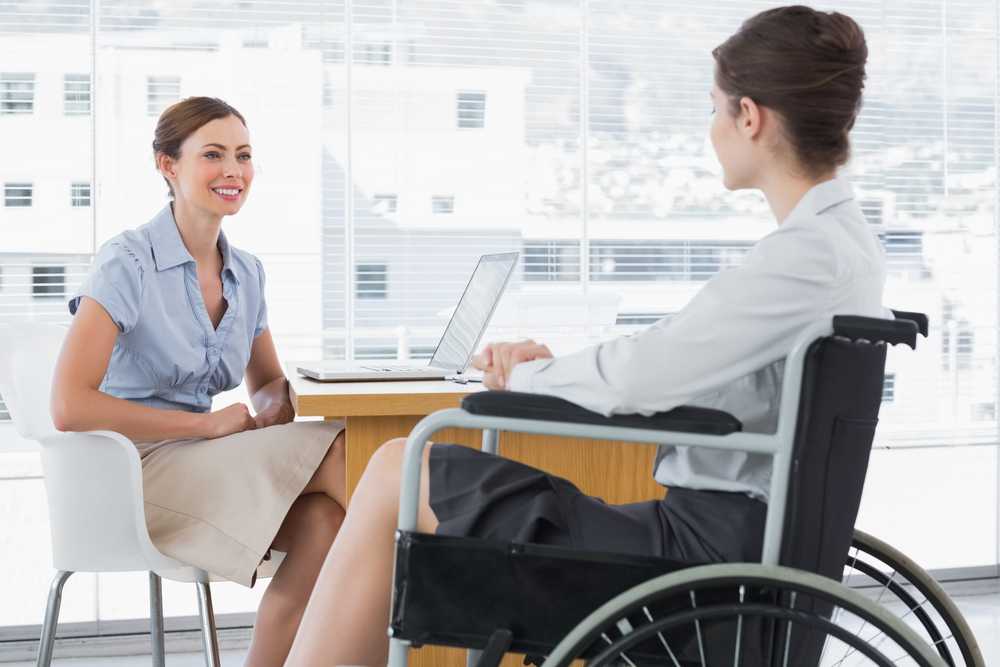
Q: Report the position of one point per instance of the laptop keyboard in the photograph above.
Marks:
(397, 368)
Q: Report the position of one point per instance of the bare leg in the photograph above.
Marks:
(305, 536)
(346, 619)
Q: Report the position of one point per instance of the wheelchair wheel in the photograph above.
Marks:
(742, 614)
(908, 589)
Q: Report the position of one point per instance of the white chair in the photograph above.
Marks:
(93, 482)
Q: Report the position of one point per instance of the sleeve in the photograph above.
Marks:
(741, 320)
(114, 280)
(262, 303)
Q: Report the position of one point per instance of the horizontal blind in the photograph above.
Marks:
(456, 129)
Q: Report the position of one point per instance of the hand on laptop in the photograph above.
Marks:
(498, 359)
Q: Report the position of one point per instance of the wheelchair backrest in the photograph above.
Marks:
(838, 411)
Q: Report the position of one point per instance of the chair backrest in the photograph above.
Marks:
(28, 353)
(838, 411)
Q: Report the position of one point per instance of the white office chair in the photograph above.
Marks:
(93, 482)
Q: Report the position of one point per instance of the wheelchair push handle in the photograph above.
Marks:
(902, 330)
(920, 319)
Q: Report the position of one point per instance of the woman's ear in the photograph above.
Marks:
(751, 119)
(166, 166)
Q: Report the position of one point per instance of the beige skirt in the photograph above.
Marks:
(217, 504)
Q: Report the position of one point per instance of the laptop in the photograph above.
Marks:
(457, 345)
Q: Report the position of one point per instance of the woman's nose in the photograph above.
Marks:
(233, 168)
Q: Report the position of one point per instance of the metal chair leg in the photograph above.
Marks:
(156, 641)
(472, 657)
(51, 618)
(208, 625)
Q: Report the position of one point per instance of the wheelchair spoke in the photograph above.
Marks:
(624, 657)
(788, 631)
(739, 629)
(697, 627)
(662, 639)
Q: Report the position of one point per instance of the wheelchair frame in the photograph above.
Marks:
(778, 445)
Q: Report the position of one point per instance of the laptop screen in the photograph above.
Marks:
(473, 312)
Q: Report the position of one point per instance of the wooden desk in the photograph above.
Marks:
(618, 472)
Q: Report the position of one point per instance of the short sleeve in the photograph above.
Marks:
(262, 303)
(114, 280)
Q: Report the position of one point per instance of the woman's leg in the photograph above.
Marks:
(305, 536)
(348, 614)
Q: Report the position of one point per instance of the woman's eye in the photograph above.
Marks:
(212, 154)
(245, 156)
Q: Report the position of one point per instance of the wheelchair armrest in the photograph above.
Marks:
(684, 419)
(876, 330)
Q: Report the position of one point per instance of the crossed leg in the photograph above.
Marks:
(306, 534)
(347, 616)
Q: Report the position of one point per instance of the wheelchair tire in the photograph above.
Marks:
(742, 614)
(903, 583)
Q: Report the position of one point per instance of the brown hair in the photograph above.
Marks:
(809, 68)
(179, 121)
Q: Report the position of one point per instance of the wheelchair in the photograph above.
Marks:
(558, 605)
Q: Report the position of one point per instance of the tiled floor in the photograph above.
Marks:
(982, 613)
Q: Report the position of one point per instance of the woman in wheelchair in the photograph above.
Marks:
(787, 91)
(169, 315)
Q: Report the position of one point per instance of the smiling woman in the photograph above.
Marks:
(169, 315)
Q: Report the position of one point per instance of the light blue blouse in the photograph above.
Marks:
(168, 355)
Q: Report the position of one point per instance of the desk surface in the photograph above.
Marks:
(312, 398)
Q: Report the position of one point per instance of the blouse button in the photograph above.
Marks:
(215, 350)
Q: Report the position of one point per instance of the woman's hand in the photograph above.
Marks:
(497, 360)
(231, 419)
(275, 413)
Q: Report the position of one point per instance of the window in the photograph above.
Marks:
(552, 261)
(373, 53)
(76, 93)
(4, 415)
(17, 194)
(17, 93)
(48, 281)
(79, 194)
(443, 204)
(372, 281)
(472, 110)
(984, 412)
(889, 388)
(695, 261)
(161, 92)
(384, 203)
(640, 319)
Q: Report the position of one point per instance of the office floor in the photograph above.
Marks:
(982, 613)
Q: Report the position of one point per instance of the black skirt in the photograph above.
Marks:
(481, 495)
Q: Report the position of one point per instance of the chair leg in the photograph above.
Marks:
(472, 657)
(156, 641)
(48, 639)
(208, 625)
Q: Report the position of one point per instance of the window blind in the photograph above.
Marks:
(396, 141)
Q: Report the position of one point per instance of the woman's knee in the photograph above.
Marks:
(388, 459)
